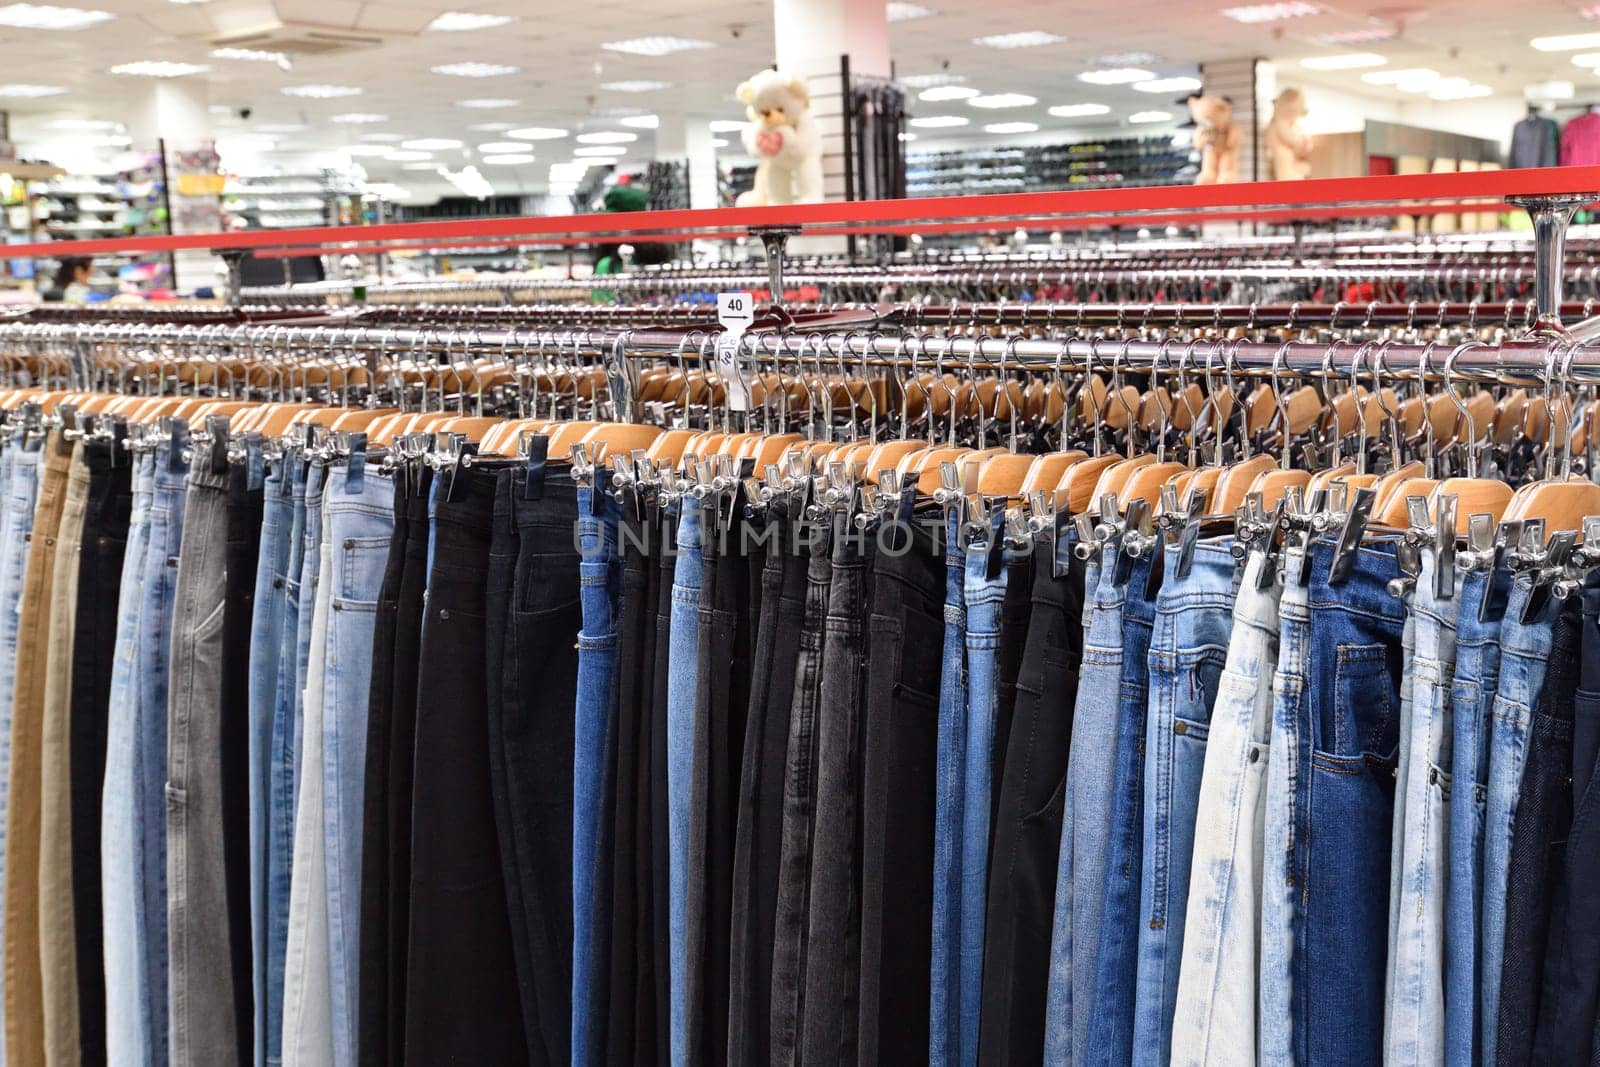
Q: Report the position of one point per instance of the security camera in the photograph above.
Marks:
(245, 113)
(736, 31)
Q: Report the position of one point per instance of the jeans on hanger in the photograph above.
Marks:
(1188, 651)
(944, 995)
(1214, 1015)
(799, 808)
(663, 522)
(121, 856)
(899, 745)
(1027, 825)
(106, 527)
(680, 756)
(1525, 641)
(1481, 595)
(1536, 872)
(311, 536)
(358, 519)
(1085, 822)
(600, 587)
(462, 1002)
(1014, 613)
(1423, 800)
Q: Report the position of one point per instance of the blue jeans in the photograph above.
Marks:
(1085, 824)
(944, 1036)
(21, 473)
(600, 589)
(1188, 650)
(681, 686)
(266, 636)
(310, 566)
(121, 845)
(1524, 647)
(1415, 1030)
(358, 514)
(1481, 603)
(1214, 1020)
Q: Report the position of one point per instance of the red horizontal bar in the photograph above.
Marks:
(994, 208)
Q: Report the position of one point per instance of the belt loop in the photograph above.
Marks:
(538, 451)
(356, 465)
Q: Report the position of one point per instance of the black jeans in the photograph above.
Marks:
(665, 533)
(1538, 845)
(461, 979)
(531, 745)
(799, 811)
(105, 537)
(1027, 826)
(722, 699)
(1571, 987)
(758, 836)
(386, 809)
(833, 918)
(900, 740)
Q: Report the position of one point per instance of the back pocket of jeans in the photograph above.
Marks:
(1361, 717)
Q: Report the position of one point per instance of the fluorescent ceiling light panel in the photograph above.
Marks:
(928, 81)
(23, 90)
(517, 160)
(1116, 76)
(430, 144)
(600, 150)
(908, 136)
(488, 103)
(474, 69)
(1126, 59)
(1140, 117)
(537, 133)
(940, 122)
(656, 46)
(641, 122)
(1459, 89)
(281, 127)
(1362, 36)
(1407, 74)
(1253, 13)
(1169, 85)
(320, 92)
(727, 125)
(1079, 111)
(996, 101)
(1551, 90)
(486, 127)
(638, 86)
(1347, 61)
(1567, 42)
(496, 148)
(1023, 39)
(1012, 127)
(421, 166)
(252, 55)
(461, 21)
(719, 142)
(607, 137)
(358, 118)
(1586, 59)
(903, 12)
(50, 17)
(948, 92)
(406, 155)
(159, 68)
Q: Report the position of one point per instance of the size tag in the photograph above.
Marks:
(735, 311)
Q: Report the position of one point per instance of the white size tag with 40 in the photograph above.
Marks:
(735, 311)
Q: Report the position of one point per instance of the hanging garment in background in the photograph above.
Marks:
(1535, 142)
(1580, 141)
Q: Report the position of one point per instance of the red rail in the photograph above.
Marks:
(1412, 194)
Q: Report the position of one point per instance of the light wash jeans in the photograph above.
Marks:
(358, 516)
(21, 474)
(1214, 1019)
(944, 1030)
(681, 687)
(1188, 650)
(1415, 1031)
(121, 848)
(1086, 823)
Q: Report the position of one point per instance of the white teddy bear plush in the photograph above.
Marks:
(783, 137)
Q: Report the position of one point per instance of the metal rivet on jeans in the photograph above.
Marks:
(338, 605)
(444, 613)
(1255, 754)
(1433, 776)
(49, 542)
(1180, 727)
(349, 542)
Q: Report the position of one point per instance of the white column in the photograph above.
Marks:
(175, 112)
(691, 139)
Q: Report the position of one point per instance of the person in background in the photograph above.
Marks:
(71, 283)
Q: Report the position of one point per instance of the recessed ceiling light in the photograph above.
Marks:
(1012, 127)
(1409, 76)
(937, 122)
(488, 103)
(514, 160)
(85, 124)
(641, 122)
(475, 70)
(1126, 59)
(1289, 9)
(430, 144)
(320, 92)
(607, 137)
(406, 155)
(996, 101)
(49, 17)
(727, 126)
(281, 127)
(21, 89)
(159, 68)
(1362, 36)
(1079, 111)
(1568, 42)
(366, 150)
(252, 55)
(600, 150)
(1150, 116)
(383, 137)
(488, 127)
(1586, 59)
(903, 12)
(1169, 85)
(948, 92)
(1347, 61)
(459, 21)
(1459, 89)
(719, 142)
(635, 86)
(358, 118)
(500, 147)
(1024, 39)
(537, 133)
(1116, 76)
(927, 81)
(656, 46)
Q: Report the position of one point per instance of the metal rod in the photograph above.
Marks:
(773, 240)
(1551, 215)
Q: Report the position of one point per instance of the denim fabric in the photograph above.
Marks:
(944, 1027)
(358, 518)
(1214, 1018)
(1116, 958)
(600, 577)
(1188, 650)
(266, 637)
(680, 754)
(1524, 656)
(121, 846)
(310, 569)
(21, 478)
(1397, 834)
(1415, 1031)
(1472, 699)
